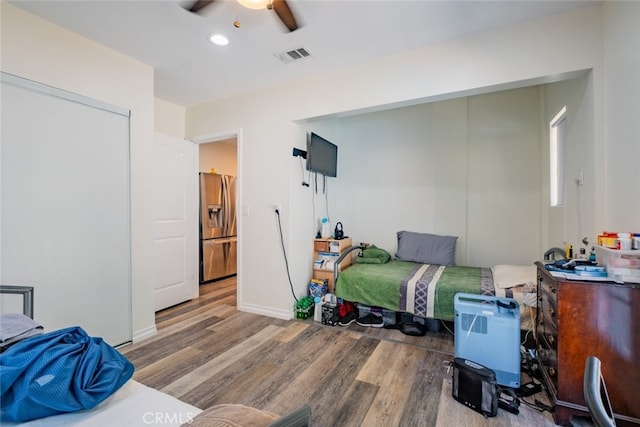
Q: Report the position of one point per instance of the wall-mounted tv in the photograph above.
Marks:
(322, 155)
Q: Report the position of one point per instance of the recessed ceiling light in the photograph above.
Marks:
(218, 39)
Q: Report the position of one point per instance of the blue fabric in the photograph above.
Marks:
(58, 372)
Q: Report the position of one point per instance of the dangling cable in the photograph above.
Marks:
(284, 252)
(304, 181)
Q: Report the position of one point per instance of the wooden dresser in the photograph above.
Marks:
(576, 319)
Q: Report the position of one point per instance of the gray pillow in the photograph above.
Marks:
(426, 248)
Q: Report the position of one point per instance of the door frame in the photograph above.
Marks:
(219, 136)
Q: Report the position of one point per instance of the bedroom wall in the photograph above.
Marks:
(220, 155)
(619, 155)
(577, 218)
(272, 122)
(38, 50)
(168, 118)
(474, 167)
(468, 167)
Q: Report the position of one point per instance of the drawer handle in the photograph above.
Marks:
(551, 339)
(552, 371)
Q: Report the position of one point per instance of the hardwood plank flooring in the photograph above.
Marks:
(206, 353)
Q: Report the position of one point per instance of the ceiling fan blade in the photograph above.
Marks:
(197, 6)
(284, 13)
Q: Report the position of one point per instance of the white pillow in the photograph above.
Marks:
(508, 276)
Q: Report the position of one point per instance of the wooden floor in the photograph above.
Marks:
(206, 353)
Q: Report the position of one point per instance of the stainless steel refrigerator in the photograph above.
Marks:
(218, 238)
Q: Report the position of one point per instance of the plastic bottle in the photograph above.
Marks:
(624, 241)
(317, 309)
(568, 251)
(325, 230)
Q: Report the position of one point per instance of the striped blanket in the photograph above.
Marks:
(425, 290)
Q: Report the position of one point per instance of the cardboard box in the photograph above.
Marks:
(318, 288)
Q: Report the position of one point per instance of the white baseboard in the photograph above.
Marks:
(266, 311)
(145, 333)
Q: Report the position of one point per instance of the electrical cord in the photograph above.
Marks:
(304, 181)
(284, 252)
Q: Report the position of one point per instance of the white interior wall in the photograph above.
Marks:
(621, 150)
(221, 156)
(397, 169)
(503, 185)
(576, 220)
(468, 167)
(168, 118)
(514, 57)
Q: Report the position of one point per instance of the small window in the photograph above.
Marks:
(557, 135)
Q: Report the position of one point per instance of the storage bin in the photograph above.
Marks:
(621, 265)
(388, 316)
(432, 325)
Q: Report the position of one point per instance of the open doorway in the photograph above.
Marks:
(218, 171)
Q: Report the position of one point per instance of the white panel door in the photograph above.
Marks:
(175, 216)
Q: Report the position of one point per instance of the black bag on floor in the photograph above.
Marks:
(475, 386)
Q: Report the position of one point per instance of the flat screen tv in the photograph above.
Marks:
(322, 155)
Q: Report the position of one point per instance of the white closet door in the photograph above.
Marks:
(65, 220)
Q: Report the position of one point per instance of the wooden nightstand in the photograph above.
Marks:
(327, 251)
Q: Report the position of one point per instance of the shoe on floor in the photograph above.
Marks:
(371, 320)
(347, 319)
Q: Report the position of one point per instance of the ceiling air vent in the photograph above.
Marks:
(293, 55)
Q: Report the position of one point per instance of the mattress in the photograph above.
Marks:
(134, 404)
(425, 290)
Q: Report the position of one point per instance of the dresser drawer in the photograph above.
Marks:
(547, 312)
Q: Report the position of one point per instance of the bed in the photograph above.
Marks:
(132, 404)
(425, 290)
(423, 279)
(76, 378)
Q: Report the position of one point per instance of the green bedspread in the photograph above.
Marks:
(421, 289)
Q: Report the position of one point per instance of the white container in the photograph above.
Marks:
(624, 241)
(325, 229)
(621, 265)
